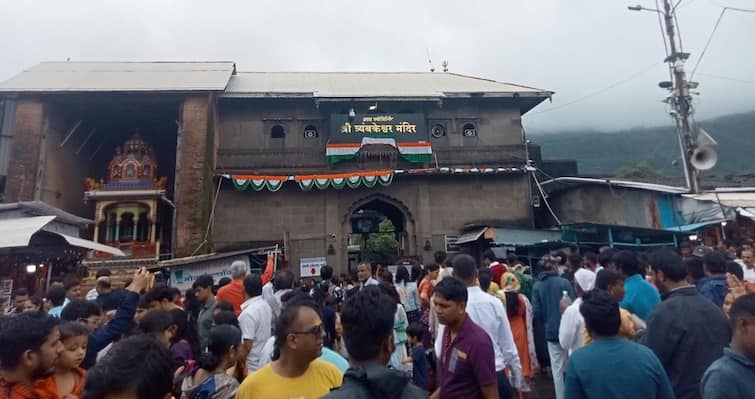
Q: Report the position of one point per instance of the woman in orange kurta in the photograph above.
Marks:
(519, 312)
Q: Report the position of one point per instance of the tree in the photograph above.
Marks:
(638, 170)
(381, 247)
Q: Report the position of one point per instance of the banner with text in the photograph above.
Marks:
(402, 128)
(404, 132)
(183, 277)
(310, 267)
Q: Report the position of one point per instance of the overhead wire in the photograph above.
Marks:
(713, 32)
(707, 43)
(545, 199)
(679, 33)
(600, 91)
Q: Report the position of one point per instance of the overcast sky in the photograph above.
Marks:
(573, 47)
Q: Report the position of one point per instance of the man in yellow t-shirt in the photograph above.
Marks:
(296, 371)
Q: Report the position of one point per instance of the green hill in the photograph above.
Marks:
(604, 153)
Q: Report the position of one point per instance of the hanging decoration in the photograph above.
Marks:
(353, 179)
(415, 152)
(257, 183)
(341, 180)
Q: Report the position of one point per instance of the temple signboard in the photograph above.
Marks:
(405, 132)
(399, 127)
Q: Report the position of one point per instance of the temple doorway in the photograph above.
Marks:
(379, 231)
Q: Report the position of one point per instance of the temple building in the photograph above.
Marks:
(333, 168)
(127, 202)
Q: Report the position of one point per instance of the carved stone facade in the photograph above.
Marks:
(127, 201)
(434, 207)
(454, 155)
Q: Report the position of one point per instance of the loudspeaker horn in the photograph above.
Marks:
(704, 139)
(704, 157)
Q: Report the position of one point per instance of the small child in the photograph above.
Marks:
(68, 380)
(416, 331)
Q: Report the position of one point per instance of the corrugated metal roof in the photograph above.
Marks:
(121, 77)
(18, 232)
(734, 199)
(39, 208)
(470, 236)
(371, 85)
(213, 256)
(82, 243)
(524, 237)
(563, 182)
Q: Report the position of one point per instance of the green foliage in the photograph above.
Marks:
(381, 247)
(638, 170)
(603, 153)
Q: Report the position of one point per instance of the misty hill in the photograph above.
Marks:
(604, 153)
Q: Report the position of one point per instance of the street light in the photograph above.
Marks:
(641, 8)
(31, 268)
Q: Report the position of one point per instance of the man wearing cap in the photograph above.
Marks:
(572, 328)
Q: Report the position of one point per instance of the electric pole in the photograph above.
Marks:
(679, 99)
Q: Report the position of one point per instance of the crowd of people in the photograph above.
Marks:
(616, 324)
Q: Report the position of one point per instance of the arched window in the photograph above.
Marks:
(112, 221)
(142, 228)
(469, 130)
(277, 132)
(126, 228)
(310, 132)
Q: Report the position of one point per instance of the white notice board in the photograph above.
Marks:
(310, 267)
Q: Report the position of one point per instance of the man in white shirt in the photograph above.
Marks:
(571, 331)
(364, 274)
(255, 322)
(488, 313)
(282, 282)
(748, 265)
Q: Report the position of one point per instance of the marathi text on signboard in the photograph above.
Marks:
(399, 127)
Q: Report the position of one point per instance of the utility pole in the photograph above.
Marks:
(680, 99)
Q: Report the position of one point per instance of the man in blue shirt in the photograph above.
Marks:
(89, 313)
(733, 375)
(547, 294)
(640, 298)
(713, 286)
(592, 369)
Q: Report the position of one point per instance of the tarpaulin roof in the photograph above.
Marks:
(18, 232)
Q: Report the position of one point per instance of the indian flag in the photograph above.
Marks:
(417, 152)
(337, 152)
(420, 152)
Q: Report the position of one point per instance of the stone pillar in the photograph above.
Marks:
(28, 135)
(333, 232)
(423, 217)
(194, 176)
(96, 237)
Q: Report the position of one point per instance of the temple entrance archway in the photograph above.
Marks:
(380, 229)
